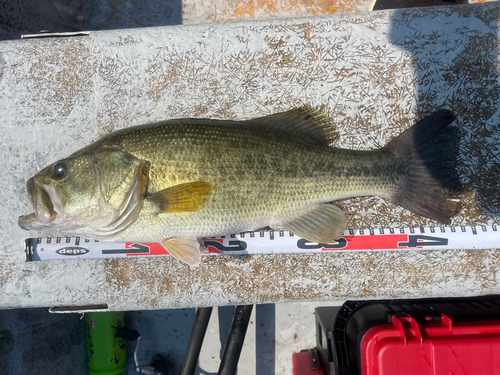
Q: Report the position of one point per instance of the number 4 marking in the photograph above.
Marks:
(418, 240)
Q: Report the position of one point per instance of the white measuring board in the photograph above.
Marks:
(274, 242)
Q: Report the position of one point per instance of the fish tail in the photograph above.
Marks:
(426, 157)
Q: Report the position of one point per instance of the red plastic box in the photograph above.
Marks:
(454, 336)
(409, 348)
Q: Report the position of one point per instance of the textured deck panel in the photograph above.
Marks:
(373, 73)
(279, 278)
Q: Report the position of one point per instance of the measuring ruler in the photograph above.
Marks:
(275, 242)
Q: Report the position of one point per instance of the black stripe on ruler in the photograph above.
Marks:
(125, 251)
(28, 249)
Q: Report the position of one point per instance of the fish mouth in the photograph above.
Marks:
(42, 198)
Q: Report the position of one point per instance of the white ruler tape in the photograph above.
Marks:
(273, 242)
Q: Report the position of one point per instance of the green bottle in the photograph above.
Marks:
(106, 353)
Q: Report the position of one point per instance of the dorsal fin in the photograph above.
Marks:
(309, 124)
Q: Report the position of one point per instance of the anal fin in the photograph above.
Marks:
(323, 224)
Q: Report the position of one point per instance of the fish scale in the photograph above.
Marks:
(261, 176)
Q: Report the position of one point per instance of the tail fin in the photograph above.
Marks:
(427, 156)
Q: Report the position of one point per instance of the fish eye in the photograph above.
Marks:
(60, 170)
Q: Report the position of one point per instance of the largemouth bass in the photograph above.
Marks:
(177, 181)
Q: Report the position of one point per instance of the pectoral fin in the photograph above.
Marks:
(188, 197)
(323, 224)
(186, 250)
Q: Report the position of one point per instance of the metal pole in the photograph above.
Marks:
(234, 344)
(196, 340)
